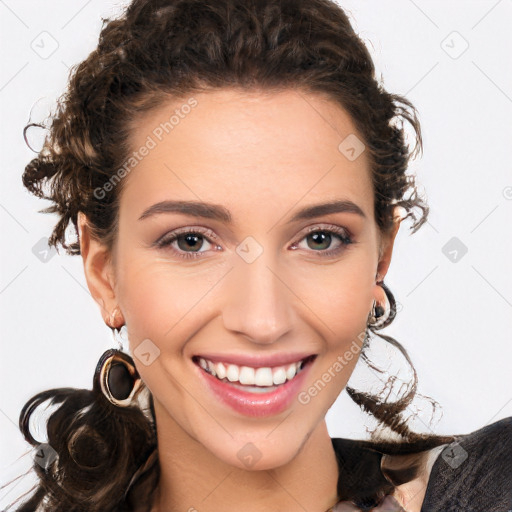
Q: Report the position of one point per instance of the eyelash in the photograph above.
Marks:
(342, 234)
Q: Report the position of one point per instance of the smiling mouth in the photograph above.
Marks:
(257, 380)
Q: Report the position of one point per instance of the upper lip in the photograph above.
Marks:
(256, 361)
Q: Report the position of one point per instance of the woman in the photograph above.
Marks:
(236, 180)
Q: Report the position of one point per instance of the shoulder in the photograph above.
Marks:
(474, 473)
(360, 478)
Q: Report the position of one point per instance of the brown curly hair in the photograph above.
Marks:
(162, 49)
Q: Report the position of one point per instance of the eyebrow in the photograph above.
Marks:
(220, 213)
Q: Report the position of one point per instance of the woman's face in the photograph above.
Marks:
(256, 282)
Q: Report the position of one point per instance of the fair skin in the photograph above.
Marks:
(263, 157)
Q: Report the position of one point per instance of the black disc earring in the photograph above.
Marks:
(382, 316)
(116, 378)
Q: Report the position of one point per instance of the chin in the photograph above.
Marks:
(262, 450)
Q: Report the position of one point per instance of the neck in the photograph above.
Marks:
(193, 479)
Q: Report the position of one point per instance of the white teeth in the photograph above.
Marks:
(291, 370)
(232, 372)
(263, 377)
(279, 375)
(248, 376)
(221, 370)
(211, 368)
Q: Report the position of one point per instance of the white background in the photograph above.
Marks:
(456, 317)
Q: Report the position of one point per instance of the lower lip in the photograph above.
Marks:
(256, 404)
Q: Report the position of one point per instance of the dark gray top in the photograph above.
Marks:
(475, 474)
(472, 474)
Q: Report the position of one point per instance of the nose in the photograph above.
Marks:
(258, 304)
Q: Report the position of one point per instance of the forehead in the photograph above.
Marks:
(253, 148)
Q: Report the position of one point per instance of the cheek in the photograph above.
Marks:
(162, 302)
(341, 298)
(158, 306)
(332, 372)
(152, 301)
(340, 295)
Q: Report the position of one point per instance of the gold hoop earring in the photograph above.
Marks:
(116, 378)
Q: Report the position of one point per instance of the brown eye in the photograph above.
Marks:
(189, 241)
(186, 243)
(320, 240)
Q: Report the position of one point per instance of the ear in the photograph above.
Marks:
(98, 269)
(386, 248)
